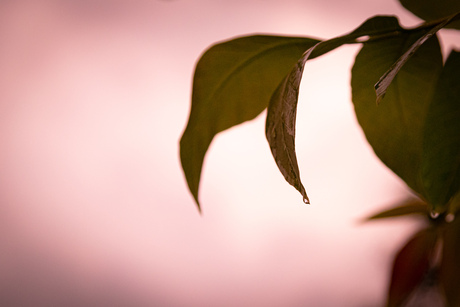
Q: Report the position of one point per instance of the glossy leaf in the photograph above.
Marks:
(394, 128)
(384, 82)
(281, 116)
(450, 268)
(233, 83)
(407, 207)
(441, 142)
(430, 10)
(410, 266)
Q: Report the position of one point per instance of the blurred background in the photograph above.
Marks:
(94, 208)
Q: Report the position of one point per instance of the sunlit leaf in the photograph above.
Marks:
(281, 116)
(233, 83)
(430, 10)
(450, 268)
(408, 206)
(394, 128)
(410, 266)
(441, 142)
(384, 82)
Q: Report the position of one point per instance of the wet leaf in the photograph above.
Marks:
(394, 128)
(450, 268)
(441, 138)
(410, 266)
(430, 10)
(233, 83)
(384, 82)
(406, 207)
(282, 110)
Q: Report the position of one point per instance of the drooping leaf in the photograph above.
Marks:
(384, 82)
(441, 138)
(406, 207)
(450, 268)
(233, 83)
(410, 266)
(430, 10)
(394, 128)
(281, 116)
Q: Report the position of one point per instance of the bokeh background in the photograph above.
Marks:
(94, 208)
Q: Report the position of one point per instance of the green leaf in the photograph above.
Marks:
(430, 10)
(233, 83)
(394, 128)
(441, 138)
(410, 266)
(450, 268)
(408, 206)
(281, 116)
(384, 82)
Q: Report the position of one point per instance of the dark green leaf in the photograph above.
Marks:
(450, 268)
(430, 10)
(384, 82)
(281, 116)
(406, 207)
(394, 128)
(441, 142)
(410, 266)
(233, 83)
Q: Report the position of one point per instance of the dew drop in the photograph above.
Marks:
(450, 217)
(306, 200)
(434, 214)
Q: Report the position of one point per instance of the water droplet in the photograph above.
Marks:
(434, 214)
(306, 200)
(450, 217)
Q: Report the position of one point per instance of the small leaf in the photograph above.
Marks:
(441, 138)
(408, 206)
(430, 10)
(394, 128)
(281, 115)
(384, 82)
(450, 268)
(233, 83)
(410, 266)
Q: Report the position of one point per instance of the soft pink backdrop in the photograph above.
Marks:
(94, 209)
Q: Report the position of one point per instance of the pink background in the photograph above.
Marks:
(94, 208)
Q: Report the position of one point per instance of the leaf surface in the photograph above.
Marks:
(430, 10)
(384, 82)
(441, 138)
(282, 110)
(233, 83)
(394, 128)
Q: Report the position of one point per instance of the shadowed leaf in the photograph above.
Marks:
(233, 83)
(384, 82)
(410, 266)
(281, 116)
(430, 10)
(441, 142)
(394, 128)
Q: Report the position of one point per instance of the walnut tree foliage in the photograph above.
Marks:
(407, 101)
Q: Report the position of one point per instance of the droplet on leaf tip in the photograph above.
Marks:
(434, 214)
(306, 200)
